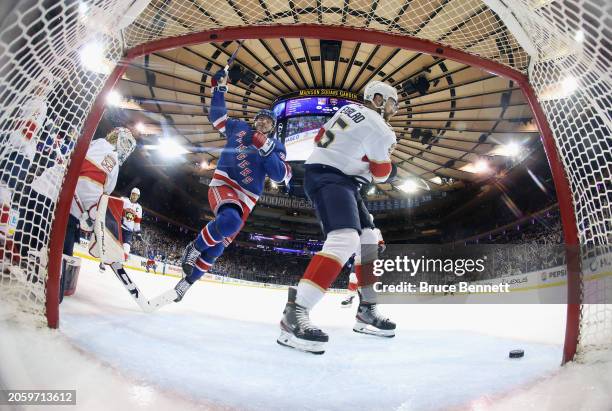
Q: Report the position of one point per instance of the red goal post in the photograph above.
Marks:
(141, 38)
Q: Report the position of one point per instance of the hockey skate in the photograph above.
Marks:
(369, 321)
(348, 302)
(102, 268)
(297, 331)
(181, 288)
(189, 258)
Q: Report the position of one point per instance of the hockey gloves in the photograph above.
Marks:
(260, 141)
(219, 81)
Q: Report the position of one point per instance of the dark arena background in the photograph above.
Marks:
(503, 140)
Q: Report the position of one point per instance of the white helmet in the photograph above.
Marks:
(135, 191)
(378, 87)
(124, 142)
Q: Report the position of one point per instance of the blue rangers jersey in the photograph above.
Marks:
(240, 166)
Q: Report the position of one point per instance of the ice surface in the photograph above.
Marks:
(217, 349)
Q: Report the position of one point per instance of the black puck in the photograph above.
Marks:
(516, 354)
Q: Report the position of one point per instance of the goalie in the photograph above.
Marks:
(98, 176)
(130, 221)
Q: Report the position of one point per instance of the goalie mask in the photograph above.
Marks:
(124, 142)
(388, 93)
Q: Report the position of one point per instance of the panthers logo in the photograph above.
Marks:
(129, 215)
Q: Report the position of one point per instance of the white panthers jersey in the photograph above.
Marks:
(132, 215)
(98, 176)
(356, 141)
(32, 117)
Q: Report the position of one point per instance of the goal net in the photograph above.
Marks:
(58, 59)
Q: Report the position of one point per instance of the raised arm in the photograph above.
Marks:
(218, 112)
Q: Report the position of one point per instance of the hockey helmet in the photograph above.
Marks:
(267, 113)
(135, 191)
(378, 87)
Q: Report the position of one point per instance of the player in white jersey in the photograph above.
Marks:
(132, 216)
(18, 152)
(130, 221)
(98, 176)
(353, 147)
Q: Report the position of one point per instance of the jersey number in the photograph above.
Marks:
(326, 137)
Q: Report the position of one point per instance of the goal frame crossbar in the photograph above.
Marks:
(319, 31)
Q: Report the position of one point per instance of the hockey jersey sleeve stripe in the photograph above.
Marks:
(220, 122)
(93, 172)
(380, 171)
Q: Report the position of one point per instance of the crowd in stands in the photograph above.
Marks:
(162, 238)
(531, 244)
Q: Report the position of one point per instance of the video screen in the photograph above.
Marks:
(309, 106)
(300, 134)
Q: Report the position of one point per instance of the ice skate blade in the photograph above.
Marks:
(289, 340)
(368, 329)
(346, 305)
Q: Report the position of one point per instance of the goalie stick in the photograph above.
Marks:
(132, 288)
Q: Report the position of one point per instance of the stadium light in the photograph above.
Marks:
(579, 36)
(481, 167)
(113, 98)
(569, 85)
(204, 165)
(408, 186)
(273, 184)
(511, 149)
(83, 8)
(92, 57)
(372, 190)
(169, 147)
(140, 127)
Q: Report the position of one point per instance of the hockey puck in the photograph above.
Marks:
(516, 354)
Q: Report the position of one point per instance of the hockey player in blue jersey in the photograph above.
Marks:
(250, 154)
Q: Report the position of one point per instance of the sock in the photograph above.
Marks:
(227, 222)
(368, 295)
(201, 267)
(206, 260)
(308, 294)
(320, 273)
(208, 237)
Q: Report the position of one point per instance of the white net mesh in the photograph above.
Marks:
(47, 89)
(572, 80)
(62, 41)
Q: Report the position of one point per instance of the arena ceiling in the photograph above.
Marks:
(465, 115)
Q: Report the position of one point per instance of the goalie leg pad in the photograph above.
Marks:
(70, 274)
(108, 242)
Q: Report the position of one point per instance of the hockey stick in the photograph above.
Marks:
(165, 298)
(230, 61)
(132, 288)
